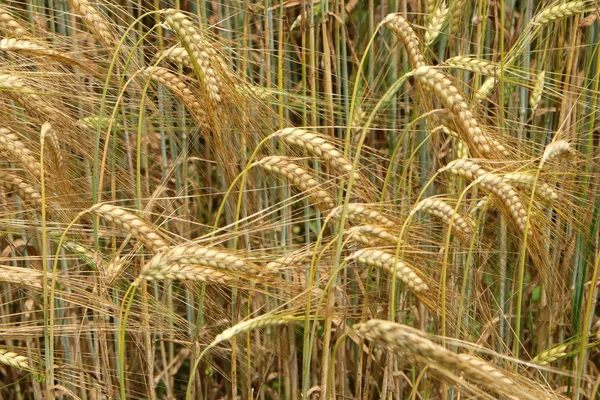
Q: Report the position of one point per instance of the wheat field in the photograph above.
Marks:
(287, 200)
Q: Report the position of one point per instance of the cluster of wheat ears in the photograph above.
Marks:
(192, 208)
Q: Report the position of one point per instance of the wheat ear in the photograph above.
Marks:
(177, 54)
(442, 210)
(437, 19)
(316, 145)
(14, 360)
(132, 224)
(538, 90)
(560, 11)
(527, 181)
(95, 22)
(300, 177)
(366, 233)
(251, 324)
(548, 356)
(187, 272)
(404, 340)
(13, 148)
(181, 90)
(26, 192)
(476, 65)
(451, 98)
(27, 277)
(362, 214)
(558, 148)
(174, 258)
(405, 33)
(202, 54)
(10, 25)
(386, 261)
(493, 183)
(54, 145)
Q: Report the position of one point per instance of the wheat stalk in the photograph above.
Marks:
(202, 54)
(14, 360)
(405, 33)
(174, 258)
(386, 261)
(495, 184)
(181, 90)
(300, 177)
(451, 98)
(95, 22)
(132, 224)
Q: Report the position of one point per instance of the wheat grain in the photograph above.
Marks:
(300, 177)
(386, 261)
(181, 90)
(451, 98)
(95, 22)
(14, 360)
(405, 33)
(192, 254)
(362, 214)
(202, 54)
(442, 210)
(132, 224)
(495, 184)
(436, 23)
(12, 148)
(527, 181)
(317, 146)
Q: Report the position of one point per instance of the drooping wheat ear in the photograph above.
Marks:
(548, 356)
(538, 90)
(558, 148)
(176, 54)
(466, 123)
(9, 26)
(362, 214)
(14, 360)
(289, 260)
(95, 22)
(366, 233)
(526, 181)
(300, 177)
(405, 33)
(16, 88)
(27, 277)
(560, 11)
(251, 324)
(189, 272)
(406, 341)
(493, 183)
(175, 259)
(456, 15)
(26, 192)
(12, 148)
(485, 89)
(387, 261)
(442, 210)
(141, 229)
(202, 54)
(316, 145)
(172, 82)
(472, 64)
(54, 145)
(436, 23)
